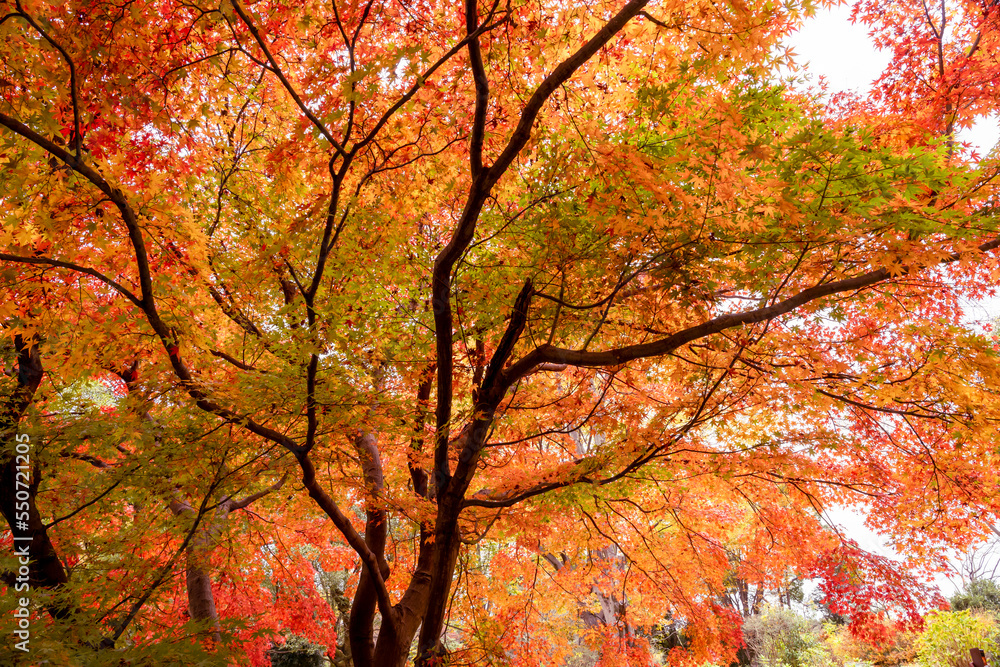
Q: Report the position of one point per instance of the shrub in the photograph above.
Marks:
(948, 636)
(296, 652)
(779, 637)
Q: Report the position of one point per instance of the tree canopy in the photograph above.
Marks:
(466, 332)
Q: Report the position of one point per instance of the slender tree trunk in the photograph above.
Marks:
(201, 601)
(200, 597)
(362, 618)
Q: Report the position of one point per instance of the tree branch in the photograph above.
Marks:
(77, 136)
(558, 77)
(417, 474)
(233, 311)
(482, 88)
(121, 289)
(421, 80)
(129, 217)
(165, 571)
(89, 502)
(254, 497)
(616, 357)
(362, 618)
(465, 229)
(146, 300)
(284, 81)
(234, 361)
(515, 327)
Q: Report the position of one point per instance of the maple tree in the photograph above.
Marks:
(943, 63)
(550, 310)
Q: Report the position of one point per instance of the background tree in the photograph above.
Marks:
(978, 595)
(99, 489)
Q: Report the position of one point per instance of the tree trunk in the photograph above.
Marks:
(201, 601)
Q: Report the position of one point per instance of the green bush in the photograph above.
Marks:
(296, 652)
(983, 594)
(948, 636)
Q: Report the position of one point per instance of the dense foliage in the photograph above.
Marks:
(490, 333)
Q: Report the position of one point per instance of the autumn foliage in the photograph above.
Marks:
(484, 333)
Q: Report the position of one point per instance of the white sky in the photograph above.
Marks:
(841, 52)
(829, 45)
